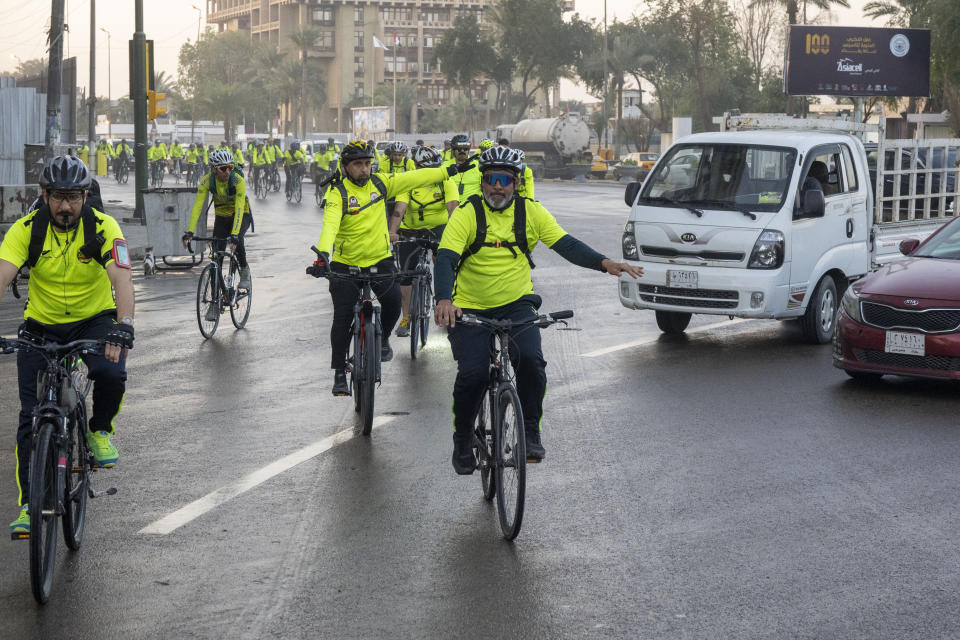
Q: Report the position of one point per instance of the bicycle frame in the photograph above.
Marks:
(364, 308)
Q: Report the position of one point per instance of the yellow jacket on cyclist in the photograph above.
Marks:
(121, 148)
(293, 158)
(162, 151)
(259, 157)
(361, 237)
(238, 155)
(192, 155)
(525, 183)
(387, 165)
(269, 153)
(176, 151)
(427, 206)
(229, 199)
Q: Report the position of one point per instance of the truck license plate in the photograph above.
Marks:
(911, 344)
(682, 279)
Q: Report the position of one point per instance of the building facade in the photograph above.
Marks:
(352, 64)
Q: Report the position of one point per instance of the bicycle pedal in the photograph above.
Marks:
(534, 460)
(93, 493)
(19, 536)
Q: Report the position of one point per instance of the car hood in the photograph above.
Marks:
(928, 278)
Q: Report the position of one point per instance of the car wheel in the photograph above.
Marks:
(820, 319)
(673, 322)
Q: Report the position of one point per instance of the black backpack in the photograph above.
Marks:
(377, 182)
(93, 248)
(519, 230)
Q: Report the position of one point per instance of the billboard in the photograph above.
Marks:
(857, 61)
(369, 121)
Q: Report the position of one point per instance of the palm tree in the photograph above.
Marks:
(793, 6)
(898, 13)
(304, 39)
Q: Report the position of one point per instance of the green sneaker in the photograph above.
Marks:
(22, 523)
(104, 454)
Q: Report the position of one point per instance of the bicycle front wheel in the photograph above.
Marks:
(510, 461)
(298, 193)
(240, 309)
(426, 309)
(208, 301)
(368, 375)
(76, 480)
(43, 513)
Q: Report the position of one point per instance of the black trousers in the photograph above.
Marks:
(471, 350)
(222, 226)
(344, 294)
(109, 384)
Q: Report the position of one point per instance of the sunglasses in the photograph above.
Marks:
(494, 179)
(225, 167)
(72, 197)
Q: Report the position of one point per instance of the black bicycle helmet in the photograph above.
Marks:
(460, 141)
(356, 150)
(66, 173)
(501, 158)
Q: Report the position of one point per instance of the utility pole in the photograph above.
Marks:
(139, 106)
(54, 78)
(109, 85)
(396, 45)
(193, 100)
(92, 102)
(606, 134)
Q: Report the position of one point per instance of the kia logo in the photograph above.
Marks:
(688, 237)
(911, 302)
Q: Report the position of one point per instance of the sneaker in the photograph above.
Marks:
(535, 450)
(340, 387)
(386, 353)
(463, 460)
(104, 454)
(244, 278)
(403, 329)
(22, 523)
(212, 313)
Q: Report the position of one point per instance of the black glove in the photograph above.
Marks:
(320, 266)
(454, 169)
(188, 236)
(233, 240)
(120, 335)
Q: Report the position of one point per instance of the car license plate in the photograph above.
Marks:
(911, 344)
(682, 279)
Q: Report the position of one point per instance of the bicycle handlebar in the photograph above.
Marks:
(12, 345)
(542, 321)
(199, 239)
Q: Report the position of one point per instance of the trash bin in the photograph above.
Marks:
(167, 216)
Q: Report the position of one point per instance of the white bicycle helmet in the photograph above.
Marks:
(397, 147)
(501, 158)
(221, 157)
(427, 157)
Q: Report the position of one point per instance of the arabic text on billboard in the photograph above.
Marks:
(857, 61)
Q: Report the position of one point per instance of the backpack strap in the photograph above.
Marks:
(93, 241)
(40, 222)
(519, 231)
(422, 205)
(38, 234)
(377, 182)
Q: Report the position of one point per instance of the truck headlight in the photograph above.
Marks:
(851, 304)
(767, 252)
(629, 242)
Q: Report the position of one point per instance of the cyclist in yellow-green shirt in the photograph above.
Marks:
(467, 183)
(355, 233)
(80, 288)
(176, 157)
(233, 216)
(293, 164)
(483, 268)
(427, 208)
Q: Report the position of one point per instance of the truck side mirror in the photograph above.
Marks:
(908, 246)
(813, 203)
(630, 195)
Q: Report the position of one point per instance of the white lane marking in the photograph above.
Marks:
(652, 339)
(197, 508)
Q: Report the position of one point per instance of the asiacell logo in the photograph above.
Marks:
(846, 64)
(688, 237)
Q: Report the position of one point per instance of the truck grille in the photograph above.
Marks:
(670, 252)
(700, 298)
(929, 321)
(939, 363)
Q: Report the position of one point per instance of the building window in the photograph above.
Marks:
(274, 12)
(358, 66)
(358, 40)
(325, 41)
(434, 15)
(427, 41)
(401, 63)
(358, 15)
(323, 16)
(396, 14)
(358, 89)
(427, 67)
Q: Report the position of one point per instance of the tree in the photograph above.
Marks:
(406, 99)
(304, 39)
(756, 25)
(31, 68)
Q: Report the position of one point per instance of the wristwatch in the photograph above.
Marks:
(126, 320)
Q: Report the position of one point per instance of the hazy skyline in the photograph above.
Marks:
(171, 24)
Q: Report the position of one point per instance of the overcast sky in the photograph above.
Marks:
(170, 23)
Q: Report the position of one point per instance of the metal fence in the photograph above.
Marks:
(23, 116)
(917, 179)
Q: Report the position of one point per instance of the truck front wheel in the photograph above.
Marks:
(673, 322)
(819, 321)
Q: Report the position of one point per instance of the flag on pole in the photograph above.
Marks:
(379, 45)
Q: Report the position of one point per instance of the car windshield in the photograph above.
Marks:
(945, 245)
(723, 176)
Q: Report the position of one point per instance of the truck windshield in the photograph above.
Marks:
(731, 176)
(945, 245)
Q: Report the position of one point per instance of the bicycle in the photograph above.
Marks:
(260, 184)
(421, 288)
(274, 176)
(363, 360)
(175, 170)
(123, 169)
(193, 174)
(60, 462)
(294, 189)
(499, 437)
(216, 292)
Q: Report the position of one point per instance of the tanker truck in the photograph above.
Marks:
(555, 147)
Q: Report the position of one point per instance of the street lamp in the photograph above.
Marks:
(109, 84)
(193, 102)
(199, 17)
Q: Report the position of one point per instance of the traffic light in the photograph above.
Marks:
(153, 108)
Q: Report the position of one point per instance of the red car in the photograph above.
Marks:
(904, 318)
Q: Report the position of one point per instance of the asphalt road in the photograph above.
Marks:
(726, 484)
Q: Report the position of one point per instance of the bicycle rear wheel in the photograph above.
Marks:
(240, 309)
(76, 480)
(43, 513)
(298, 192)
(510, 460)
(208, 297)
(483, 445)
(368, 375)
(415, 318)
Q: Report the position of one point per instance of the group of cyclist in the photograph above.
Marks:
(478, 205)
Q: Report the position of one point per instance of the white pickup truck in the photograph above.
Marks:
(772, 217)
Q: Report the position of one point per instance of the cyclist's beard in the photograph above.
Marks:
(497, 204)
(62, 221)
(358, 181)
